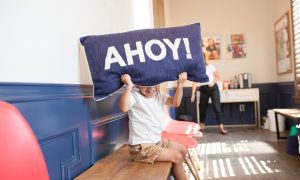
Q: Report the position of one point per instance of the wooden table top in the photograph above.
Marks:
(291, 113)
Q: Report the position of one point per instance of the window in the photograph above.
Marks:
(295, 5)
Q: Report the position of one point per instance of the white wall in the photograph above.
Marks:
(253, 18)
(39, 38)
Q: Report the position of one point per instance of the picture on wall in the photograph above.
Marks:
(283, 45)
(235, 46)
(211, 47)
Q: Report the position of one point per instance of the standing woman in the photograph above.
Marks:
(209, 90)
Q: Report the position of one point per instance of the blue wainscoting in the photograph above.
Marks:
(268, 97)
(276, 95)
(108, 134)
(286, 92)
(73, 130)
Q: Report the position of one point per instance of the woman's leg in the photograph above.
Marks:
(204, 97)
(216, 102)
(176, 158)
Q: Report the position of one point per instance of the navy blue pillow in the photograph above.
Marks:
(149, 56)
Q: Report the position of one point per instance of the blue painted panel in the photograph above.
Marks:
(268, 96)
(276, 95)
(68, 155)
(103, 108)
(286, 91)
(62, 127)
(265, 103)
(286, 100)
(60, 116)
(108, 134)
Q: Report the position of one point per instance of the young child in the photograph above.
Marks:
(146, 116)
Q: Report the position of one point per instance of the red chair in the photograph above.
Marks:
(180, 127)
(20, 154)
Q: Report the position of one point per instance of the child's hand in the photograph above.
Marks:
(126, 79)
(181, 78)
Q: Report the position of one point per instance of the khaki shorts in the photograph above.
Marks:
(149, 152)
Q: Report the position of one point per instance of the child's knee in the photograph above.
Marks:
(177, 158)
(183, 150)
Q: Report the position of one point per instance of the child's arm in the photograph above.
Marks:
(124, 103)
(176, 100)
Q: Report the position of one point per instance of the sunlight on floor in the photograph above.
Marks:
(242, 146)
(246, 163)
(222, 168)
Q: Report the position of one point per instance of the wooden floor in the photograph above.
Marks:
(245, 153)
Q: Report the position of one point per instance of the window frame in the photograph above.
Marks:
(295, 9)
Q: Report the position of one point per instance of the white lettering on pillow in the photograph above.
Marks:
(187, 48)
(113, 56)
(173, 47)
(149, 52)
(139, 51)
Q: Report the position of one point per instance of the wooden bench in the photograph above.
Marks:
(118, 165)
